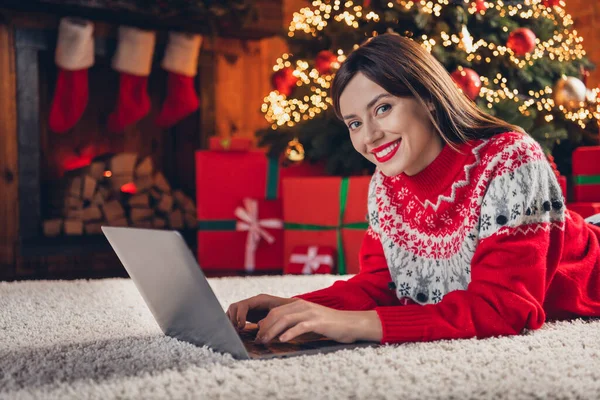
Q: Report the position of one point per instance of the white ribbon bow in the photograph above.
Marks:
(312, 260)
(249, 221)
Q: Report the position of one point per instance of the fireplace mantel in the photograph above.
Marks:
(264, 18)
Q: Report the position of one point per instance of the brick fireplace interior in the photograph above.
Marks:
(53, 185)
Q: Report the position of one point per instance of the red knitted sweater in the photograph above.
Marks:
(478, 244)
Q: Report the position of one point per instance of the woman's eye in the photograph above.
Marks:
(353, 125)
(383, 108)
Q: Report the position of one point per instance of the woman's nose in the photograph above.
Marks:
(372, 133)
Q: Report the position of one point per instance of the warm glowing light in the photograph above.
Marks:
(563, 45)
(129, 188)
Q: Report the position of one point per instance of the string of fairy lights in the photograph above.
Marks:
(565, 45)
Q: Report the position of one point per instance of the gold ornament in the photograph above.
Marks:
(294, 151)
(569, 92)
(466, 40)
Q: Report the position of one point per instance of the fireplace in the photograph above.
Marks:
(60, 210)
(45, 179)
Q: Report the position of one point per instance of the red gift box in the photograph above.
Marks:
(329, 212)
(252, 241)
(309, 260)
(584, 209)
(218, 143)
(223, 181)
(586, 174)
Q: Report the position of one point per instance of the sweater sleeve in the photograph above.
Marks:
(520, 237)
(369, 288)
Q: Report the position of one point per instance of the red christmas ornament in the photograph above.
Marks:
(480, 5)
(521, 41)
(284, 81)
(367, 3)
(325, 62)
(468, 80)
(551, 3)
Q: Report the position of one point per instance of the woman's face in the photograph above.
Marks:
(394, 133)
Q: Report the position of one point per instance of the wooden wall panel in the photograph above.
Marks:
(586, 19)
(8, 152)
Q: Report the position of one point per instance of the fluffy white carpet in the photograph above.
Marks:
(98, 340)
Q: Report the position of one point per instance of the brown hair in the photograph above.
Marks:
(404, 68)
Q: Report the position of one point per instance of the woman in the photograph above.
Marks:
(468, 231)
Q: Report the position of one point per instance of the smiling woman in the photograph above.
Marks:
(394, 133)
(469, 235)
(385, 96)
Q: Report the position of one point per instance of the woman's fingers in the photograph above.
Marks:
(297, 330)
(254, 309)
(281, 324)
(232, 313)
(242, 311)
(288, 313)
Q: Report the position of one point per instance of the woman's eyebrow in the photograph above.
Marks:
(370, 104)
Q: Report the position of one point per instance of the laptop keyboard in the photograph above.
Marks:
(304, 342)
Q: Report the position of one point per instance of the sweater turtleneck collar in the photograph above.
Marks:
(439, 174)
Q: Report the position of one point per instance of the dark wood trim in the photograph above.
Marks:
(27, 45)
(206, 89)
(266, 19)
(9, 176)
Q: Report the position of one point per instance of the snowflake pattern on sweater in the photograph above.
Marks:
(507, 186)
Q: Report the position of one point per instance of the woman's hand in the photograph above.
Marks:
(254, 309)
(291, 320)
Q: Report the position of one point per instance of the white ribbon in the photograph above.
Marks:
(312, 260)
(249, 221)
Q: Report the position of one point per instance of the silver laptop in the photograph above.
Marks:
(183, 304)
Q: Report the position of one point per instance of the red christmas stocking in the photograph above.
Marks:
(74, 55)
(181, 61)
(133, 61)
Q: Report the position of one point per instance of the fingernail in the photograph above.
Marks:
(283, 338)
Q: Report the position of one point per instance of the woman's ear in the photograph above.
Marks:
(430, 106)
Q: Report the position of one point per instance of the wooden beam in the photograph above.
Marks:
(28, 131)
(9, 212)
(265, 22)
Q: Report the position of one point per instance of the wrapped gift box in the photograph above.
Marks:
(310, 260)
(585, 209)
(329, 211)
(223, 180)
(586, 174)
(251, 239)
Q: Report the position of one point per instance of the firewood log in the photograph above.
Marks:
(92, 213)
(138, 214)
(165, 204)
(113, 211)
(52, 227)
(74, 227)
(160, 182)
(140, 200)
(123, 164)
(176, 219)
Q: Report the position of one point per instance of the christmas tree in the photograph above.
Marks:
(519, 60)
